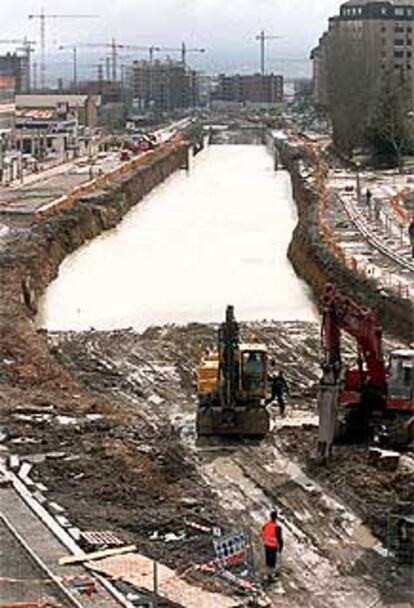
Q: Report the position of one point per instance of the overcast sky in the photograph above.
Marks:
(225, 27)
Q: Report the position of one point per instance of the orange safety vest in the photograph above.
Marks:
(269, 535)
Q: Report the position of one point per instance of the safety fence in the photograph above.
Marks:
(393, 217)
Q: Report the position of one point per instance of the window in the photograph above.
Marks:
(398, 54)
(399, 42)
(399, 12)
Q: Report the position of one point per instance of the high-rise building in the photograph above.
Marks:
(380, 31)
(14, 74)
(14, 78)
(163, 85)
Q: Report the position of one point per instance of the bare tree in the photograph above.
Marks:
(389, 127)
(349, 86)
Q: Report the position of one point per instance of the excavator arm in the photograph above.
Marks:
(341, 314)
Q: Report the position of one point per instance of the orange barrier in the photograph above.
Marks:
(395, 204)
(320, 177)
(67, 201)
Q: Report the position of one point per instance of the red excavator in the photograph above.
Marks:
(374, 394)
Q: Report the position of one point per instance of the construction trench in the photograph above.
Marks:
(106, 419)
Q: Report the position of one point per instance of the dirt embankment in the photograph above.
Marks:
(30, 257)
(315, 262)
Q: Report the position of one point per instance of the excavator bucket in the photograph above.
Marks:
(239, 422)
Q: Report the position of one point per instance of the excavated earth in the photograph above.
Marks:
(117, 450)
(108, 419)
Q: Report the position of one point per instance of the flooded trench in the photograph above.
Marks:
(197, 243)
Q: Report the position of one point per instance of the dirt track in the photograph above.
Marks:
(124, 457)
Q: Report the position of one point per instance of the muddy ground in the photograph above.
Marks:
(119, 453)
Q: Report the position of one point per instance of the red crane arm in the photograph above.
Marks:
(343, 314)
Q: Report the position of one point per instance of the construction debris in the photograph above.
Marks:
(96, 555)
(139, 571)
(384, 459)
(92, 541)
(147, 481)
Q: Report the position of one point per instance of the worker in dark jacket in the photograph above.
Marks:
(272, 536)
(411, 235)
(279, 387)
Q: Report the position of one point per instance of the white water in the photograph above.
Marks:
(197, 243)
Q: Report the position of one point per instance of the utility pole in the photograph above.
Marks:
(42, 16)
(262, 38)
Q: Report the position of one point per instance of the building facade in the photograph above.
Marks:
(14, 78)
(163, 85)
(252, 88)
(382, 33)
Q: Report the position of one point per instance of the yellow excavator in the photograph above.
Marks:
(232, 386)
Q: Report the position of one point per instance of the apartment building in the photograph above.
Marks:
(14, 78)
(383, 34)
(252, 88)
(163, 85)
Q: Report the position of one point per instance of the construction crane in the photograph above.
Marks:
(27, 48)
(262, 38)
(74, 50)
(115, 47)
(183, 50)
(42, 16)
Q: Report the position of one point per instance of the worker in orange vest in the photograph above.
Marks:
(272, 537)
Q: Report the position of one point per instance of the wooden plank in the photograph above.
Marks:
(87, 557)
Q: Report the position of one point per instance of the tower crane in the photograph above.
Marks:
(262, 38)
(115, 47)
(183, 50)
(42, 16)
(27, 48)
(74, 50)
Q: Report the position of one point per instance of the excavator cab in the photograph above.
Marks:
(232, 386)
(371, 395)
(401, 380)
